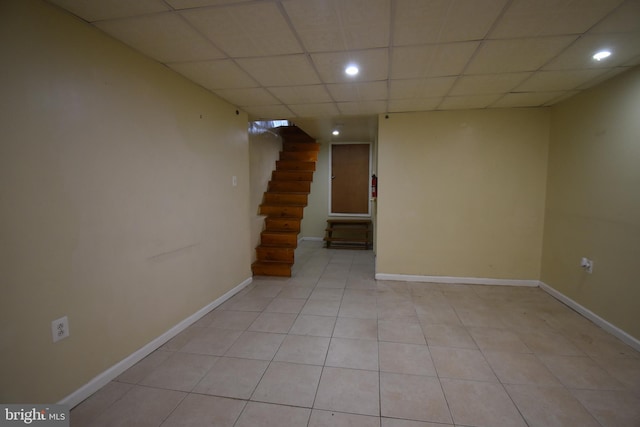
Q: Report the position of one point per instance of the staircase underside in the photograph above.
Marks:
(283, 203)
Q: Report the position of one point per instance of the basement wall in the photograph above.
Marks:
(593, 201)
(462, 193)
(117, 205)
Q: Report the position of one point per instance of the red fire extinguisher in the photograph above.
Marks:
(374, 186)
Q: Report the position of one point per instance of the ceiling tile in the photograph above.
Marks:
(165, 37)
(625, 18)
(367, 91)
(526, 99)
(362, 108)
(353, 128)
(220, 74)
(373, 65)
(606, 75)
(256, 29)
(420, 21)
(565, 95)
(247, 97)
(284, 70)
(328, 25)
(420, 88)
(483, 84)
(188, 4)
(326, 109)
(624, 47)
(271, 112)
(526, 18)
(431, 60)
(301, 94)
(110, 9)
(421, 104)
(468, 102)
(507, 56)
(632, 62)
(558, 80)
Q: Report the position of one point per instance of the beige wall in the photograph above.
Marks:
(461, 193)
(264, 150)
(117, 207)
(593, 201)
(316, 213)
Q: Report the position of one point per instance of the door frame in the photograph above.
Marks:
(362, 215)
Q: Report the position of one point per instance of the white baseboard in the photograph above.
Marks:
(114, 371)
(457, 280)
(612, 329)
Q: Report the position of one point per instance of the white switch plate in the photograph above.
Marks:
(234, 181)
(587, 265)
(60, 328)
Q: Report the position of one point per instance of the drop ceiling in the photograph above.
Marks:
(285, 59)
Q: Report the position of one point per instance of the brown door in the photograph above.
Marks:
(350, 178)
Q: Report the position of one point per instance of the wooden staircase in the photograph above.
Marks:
(284, 201)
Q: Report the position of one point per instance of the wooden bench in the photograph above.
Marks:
(349, 234)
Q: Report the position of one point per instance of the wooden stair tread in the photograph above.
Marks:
(280, 219)
(304, 156)
(269, 253)
(283, 175)
(283, 205)
(274, 246)
(295, 205)
(295, 165)
(300, 146)
(271, 268)
(287, 193)
(278, 223)
(310, 163)
(289, 185)
(295, 193)
(282, 197)
(281, 211)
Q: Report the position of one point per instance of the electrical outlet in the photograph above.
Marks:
(60, 328)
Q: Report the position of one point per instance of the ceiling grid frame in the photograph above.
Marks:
(244, 75)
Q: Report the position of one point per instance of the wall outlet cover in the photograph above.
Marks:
(60, 329)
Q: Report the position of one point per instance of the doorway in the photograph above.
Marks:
(350, 174)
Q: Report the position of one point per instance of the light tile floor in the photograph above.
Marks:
(331, 346)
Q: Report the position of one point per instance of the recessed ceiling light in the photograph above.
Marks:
(335, 132)
(599, 56)
(352, 70)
